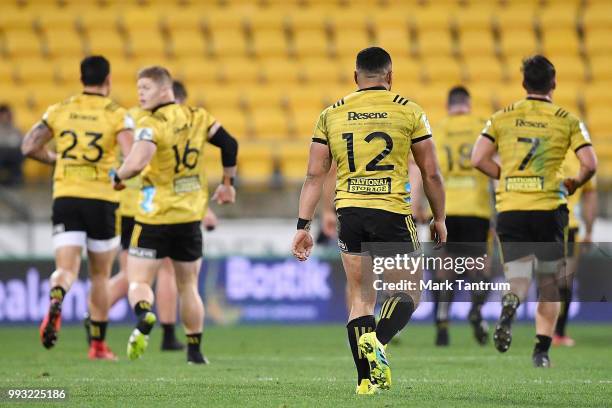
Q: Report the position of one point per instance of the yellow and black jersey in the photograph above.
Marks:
(85, 129)
(571, 166)
(532, 137)
(467, 189)
(369, 133)
(128, 203)
(174, 188)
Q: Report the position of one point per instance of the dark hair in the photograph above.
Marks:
(5, 108)
(458, 95)
(94, 70)
(179, 90)
(538, 74)
(373, 59)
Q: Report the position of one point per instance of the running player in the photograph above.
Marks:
(532, 137)
(468, 208)
(168, 145)
(582, 204)
(86, 129)
(369, 134)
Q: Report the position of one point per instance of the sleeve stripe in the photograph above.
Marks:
(420, 139)
(319, 140)
(491, 138)
(44, 122)
(146, 140)
(581, 146)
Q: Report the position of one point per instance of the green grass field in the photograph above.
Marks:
(306, 366)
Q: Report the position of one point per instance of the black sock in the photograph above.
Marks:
(394, 315)
(542, 344)
(566, 299)
(355, 328)
(193, 342)
(57, 293)
(479, 297)
(141, 309)
(169, 333)
(97, 330)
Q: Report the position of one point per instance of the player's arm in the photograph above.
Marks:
(125, 139)
(416, 192)
(140, 155)
(34, 142)
(328, 210)
(424, 153)
(588, 167)
(218, 136)
(319, 163)
(483, 157)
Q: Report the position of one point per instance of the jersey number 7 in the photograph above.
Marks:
(535, 142)
(372, 164)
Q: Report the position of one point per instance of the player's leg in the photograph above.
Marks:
(191, 307)
(565, 282)
(443, 297)
(166, 299)
(391, 235)
(481, 243)
(69, 239)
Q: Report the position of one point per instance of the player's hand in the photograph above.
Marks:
(328, 223)
(302, 245)
(210, 220)
(224, 194)
(571, 184)
(117, 184)
(438, 233)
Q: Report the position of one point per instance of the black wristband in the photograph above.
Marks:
(303, 224)
(231, 180)
(116, 178)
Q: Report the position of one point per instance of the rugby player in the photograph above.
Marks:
(167, 151)
(369, 134)
(86, 129)
(532, 137)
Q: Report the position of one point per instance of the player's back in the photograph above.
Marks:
(174, 184)
(85, 129)
(370, 133)
(533, 137)
(467, 189)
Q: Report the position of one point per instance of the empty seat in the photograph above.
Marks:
(61, 43)
(264, 97)
(182, 19)
(234, 121)
(240, 71)
(518, 43)
(270, 43)
(271, 18)
(323, 71)
(198, 70)
(34, 71)
(597, 41)
(443, 69)
(310, 43)
(560, 41)
(348, 42)
(20, 43)
(478, 17)
(569, 69)
(269, 124)
(484, 68)
(396, 40)
(600, 67)
(304, 121)
(599, 121)
(434, 16)
(187, 43)
(293, 161)
(597, 94)
(561, 15)
(306, 97)
(106, 42)
(13, 18)
(280, 70)
(515, 18)
(146, 42)
(597, 16)
(435, 43)
(219, 97)
(229, 42)
(307, 19)
(102, 19)
(256, 162)
(477, 43)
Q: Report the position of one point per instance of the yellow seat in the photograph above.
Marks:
(563, 15)
(304, 121)
(406, 70)
(323, 70)
(308, 19)
(106, 42)
(600, 67)
(396, 40)
(562, 41)
(264, 97)
(270, 18)
(270, 43)
(348, 42)
(146, 42)
(7, 74)
(68, 72)
(310, 43)
(269, 124)
(240, 71)
(198, 71)
(62, 43)
(484, 69)
(390, 18)
(18, 96)
(102, 19)
(227, 18)
(599, 121)
(13, 18)
(434, 16)
(350, 19)
(213, 167)
(183, 19)
(187, 43)
(443, 69)
(47, 95)
(306, 97)
(569, 69)
(22, 43)
(474, 43)
(515, 18)
(435, 43)
(504, 95)
(477, 17)
(50, 19)
(597, 41)
(144, 18)
(219, 97)
(283, 71)
(229, 43)
(597, 94)
(256, 162)
(597, 16)
(34, 71)
(293, 161)
(518, 43)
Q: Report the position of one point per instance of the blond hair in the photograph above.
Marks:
(157, 74)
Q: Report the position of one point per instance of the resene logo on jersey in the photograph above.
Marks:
(363, 185)
(528, 123)
(367, 115)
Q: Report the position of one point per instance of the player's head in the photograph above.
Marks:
(538, 75)
(458, 100)
(373, 67)
(6, 115)
(154, 87)
(95, 72)
(180, 93)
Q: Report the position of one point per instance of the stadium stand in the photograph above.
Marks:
(266, 68)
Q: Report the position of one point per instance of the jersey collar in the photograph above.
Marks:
(535, 98)
(93, 94)
(161, 106)
(373, 88)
